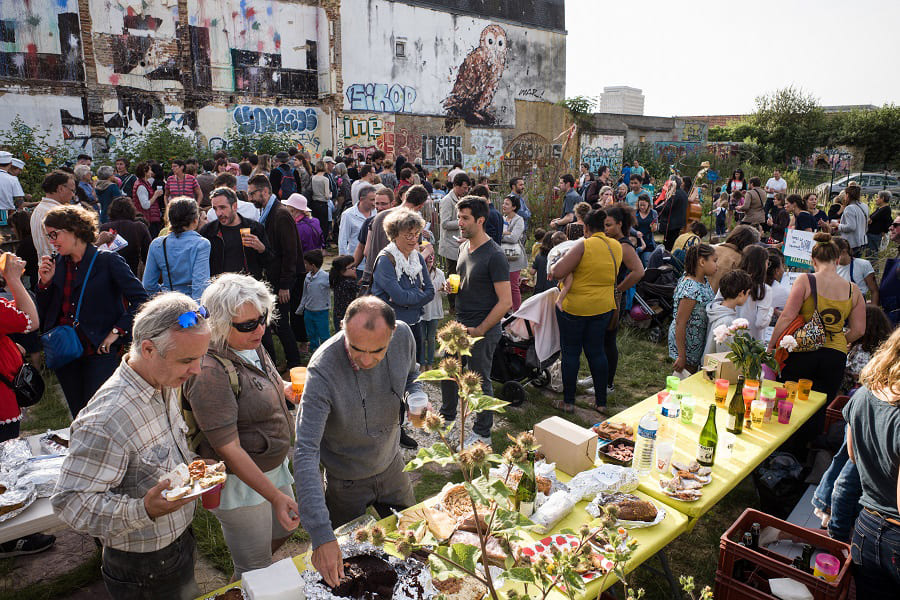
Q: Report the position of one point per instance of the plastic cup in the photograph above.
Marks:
(244, 231)
(804, 387)
(726, 447)
(672, 383)
(780, 394)
(784, 411)
(721, 392)
(417, 404)
(298, 380)
(687, 409)
(827, 567)
(3, 260)
(791, 387)
(757, 412)
(661, 396)
(453, 280)
(768, 396)
(212, 497)
(664, 453)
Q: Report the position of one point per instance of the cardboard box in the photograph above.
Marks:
(721, 366)
(571, 447)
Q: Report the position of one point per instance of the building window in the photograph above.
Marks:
(400, 49)
(643, 139)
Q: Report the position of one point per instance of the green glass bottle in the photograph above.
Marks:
(736, 409)
(709, 438)
(527, 490)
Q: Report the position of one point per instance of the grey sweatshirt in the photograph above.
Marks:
(718, 314)
(349, 421)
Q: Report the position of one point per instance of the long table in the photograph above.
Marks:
(751, 448)
(38, 517)
(651, 541)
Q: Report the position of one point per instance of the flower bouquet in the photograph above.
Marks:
(747, 354)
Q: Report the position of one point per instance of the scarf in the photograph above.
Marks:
(411, 267)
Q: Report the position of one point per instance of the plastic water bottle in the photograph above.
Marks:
(645, 444)
(668, 432)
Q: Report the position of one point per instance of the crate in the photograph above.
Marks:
(773, 565)
(834, 412)
(728, 588)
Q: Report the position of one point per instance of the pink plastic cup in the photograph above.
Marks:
(212, 497)
(784, 411)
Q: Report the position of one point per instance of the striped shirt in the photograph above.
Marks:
(122, 443)
(182, 187)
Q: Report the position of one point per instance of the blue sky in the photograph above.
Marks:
(695, 57)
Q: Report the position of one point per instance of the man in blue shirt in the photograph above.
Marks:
(517, 189)
(570, 199)
(632, 196)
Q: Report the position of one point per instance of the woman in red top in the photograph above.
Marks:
(16, 316)
(180, 183)
(144, 198)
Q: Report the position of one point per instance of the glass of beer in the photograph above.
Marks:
(298, 380)
(418, 404)
(721, 392)
(245, 231)
(791, 387)
(453, 280)
(804, 386)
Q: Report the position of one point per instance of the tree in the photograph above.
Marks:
(159, 142)
(877, 132)
(32, 145)
(790, 122)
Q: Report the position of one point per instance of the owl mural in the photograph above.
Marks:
(478, 79)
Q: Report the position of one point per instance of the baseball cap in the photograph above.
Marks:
(329, 159)
(19, 164)
(5, 157)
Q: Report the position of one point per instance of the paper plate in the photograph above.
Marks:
(566, 543)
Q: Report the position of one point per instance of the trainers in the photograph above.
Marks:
(587, 381)
(406, 440)
(610, 389)
(474, 437)
(30, 544)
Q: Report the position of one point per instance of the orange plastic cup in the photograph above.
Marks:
(721, 391)
(791, 387)
(298, 380)
(804, 387)
(245, 231)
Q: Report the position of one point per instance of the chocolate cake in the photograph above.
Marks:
(366, 577)
(232, 594)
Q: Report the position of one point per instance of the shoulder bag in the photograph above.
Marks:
(614, 319)
(166, 258)
(61, 344)
(810, 335)
(27, 384)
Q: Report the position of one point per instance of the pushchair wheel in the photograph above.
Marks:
(514, 393)
(541, 380)
(655, 334)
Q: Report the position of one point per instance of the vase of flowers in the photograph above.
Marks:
(747, 354)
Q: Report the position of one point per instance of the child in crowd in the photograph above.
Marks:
(734, 287)
(316, 300)
(539, 264)
(758, 309)
(687, 333)
(878, 329)
(432, 313)
(556, 239)
(721, 213)
(539, 234)
(342, 280)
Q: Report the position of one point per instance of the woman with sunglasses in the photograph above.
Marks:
(238, 402)
(108, 293)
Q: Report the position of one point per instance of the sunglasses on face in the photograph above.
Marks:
(895, 224)
(248, 326)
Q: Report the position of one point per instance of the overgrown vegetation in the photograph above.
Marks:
(32, 145)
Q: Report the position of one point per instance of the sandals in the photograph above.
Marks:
(563, 406)
(603, 410)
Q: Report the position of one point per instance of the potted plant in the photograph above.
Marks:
(747, 354)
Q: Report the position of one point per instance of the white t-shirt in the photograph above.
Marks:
(10, 188)
(861, 269)
(245, 209)
(779, 185)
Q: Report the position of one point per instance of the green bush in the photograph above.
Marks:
(31, 145)
(269, 142)
(158, 142)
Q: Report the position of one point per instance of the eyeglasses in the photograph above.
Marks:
(248, 326)
(52, 235)
(192, 317)
(411, 235)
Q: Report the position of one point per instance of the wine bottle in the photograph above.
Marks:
(526, 492)
(709, 438)
(736, 409)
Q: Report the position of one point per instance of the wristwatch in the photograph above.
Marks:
(118, 331)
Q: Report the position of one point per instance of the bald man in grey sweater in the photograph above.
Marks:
(349, 423)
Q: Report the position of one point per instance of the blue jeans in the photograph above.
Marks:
(316, 322)
(429, 335)
(874, 242)
(588, 334)
(481, 361)
(838, 494)
(875, 551)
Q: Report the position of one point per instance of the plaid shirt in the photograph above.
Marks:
(122, 443)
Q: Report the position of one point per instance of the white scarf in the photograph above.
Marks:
(411, 267)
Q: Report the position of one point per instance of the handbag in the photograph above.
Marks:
(28, 385)
(617, 295)
(61, 344)
(810, 334)
(512, 250)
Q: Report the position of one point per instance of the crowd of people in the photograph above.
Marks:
(175, 285)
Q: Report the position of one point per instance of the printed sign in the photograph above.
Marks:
(798, 248)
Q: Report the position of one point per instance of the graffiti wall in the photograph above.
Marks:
(690, 131)
(602, 150)
(363, 133)
(134, 110)
(307, 127)
(40, 39)
(484, 151)
(532, 154)
(425, 62)
(674, 151)
(260, 48)
(839, 159)
(64, 117)
(136, 43)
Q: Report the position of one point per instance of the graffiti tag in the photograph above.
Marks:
(441, 150)
(381, 97)
(259, 119)
(531, 93)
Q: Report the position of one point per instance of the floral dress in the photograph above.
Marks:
(695, 333)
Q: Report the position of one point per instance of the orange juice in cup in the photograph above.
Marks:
(298, 380)
(245, 231)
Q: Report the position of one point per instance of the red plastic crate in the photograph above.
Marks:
(732, 589)
(773, 565)
(834, 412)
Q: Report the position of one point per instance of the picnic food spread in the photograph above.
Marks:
(193, 479)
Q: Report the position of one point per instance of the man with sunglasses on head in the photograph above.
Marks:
(234, 249)
(349, 423)
(123, 445)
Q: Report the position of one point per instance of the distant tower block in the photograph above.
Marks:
(622, 100)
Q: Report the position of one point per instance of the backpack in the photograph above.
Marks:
(288, 184)
(195, 436)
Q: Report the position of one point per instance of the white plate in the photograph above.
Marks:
(702, 480)
(196, 491)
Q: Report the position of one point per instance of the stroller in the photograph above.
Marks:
(654, 301)
(516, 361)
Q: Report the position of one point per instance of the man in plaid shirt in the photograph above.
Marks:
(124, 442)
